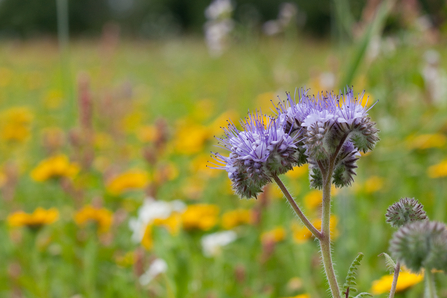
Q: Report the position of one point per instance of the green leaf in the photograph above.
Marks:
(350, 278)
(364, 294)
(389, 262)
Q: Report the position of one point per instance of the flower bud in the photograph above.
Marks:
(405, 211)
(421, 244)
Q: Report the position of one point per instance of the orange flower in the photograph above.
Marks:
(101, 216)
(129, 180)
(35, 220)
(54, 167)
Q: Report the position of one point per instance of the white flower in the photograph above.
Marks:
(158, 266)
(212, 243)
(150, 211)
(218, 8)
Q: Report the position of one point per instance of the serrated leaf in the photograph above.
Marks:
(364, 294)
(352, 274)
(389, 262)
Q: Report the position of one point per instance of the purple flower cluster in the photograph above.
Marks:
(326, 131)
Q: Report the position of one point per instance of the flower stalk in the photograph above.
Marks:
(395, 278)
(430, 290)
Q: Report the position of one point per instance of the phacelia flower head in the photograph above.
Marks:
(331, 128)
(261, 150)
(421, 244)
(405, 211)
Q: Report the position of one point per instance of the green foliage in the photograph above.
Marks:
(348, 286)
(389, 262)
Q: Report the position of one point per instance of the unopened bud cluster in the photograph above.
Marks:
(326, 131)
(405, 211)
(421, 244)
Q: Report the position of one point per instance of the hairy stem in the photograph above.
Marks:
(430, 290)
(325, 241)
(297, 209)
(395, 277)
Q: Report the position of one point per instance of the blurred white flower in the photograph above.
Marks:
(218, 26)
(435, 78)
(158, 266)
(288, 15)
(149, 211)
(212, 243)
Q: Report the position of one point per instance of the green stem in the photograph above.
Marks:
(395, 277)
(430, 290)
(297, 209)
(325, 241)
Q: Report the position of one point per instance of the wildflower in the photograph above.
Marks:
(55, 167)
(258, 152)
(157, 267)
(300, 296)
(16, 124)
(149, 212)
(190, 137)
(172, 223)
(101, 216)
(234, 218)
(130, 180)
(147, 238)
(405, 281)
(421, 244)
(330, 124)
(427, 141)
(374, 184)
(212, 243)
(200, 216)
(313, 199)
(35, 220)
(405, 211)
(218, 26)
(438, 170)
(278, 234)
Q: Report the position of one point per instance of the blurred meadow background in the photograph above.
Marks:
(107, 115)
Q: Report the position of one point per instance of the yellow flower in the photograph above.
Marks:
(130, 180)
(37, 219)
(101, 216)
(406, 280)
(236, 218)
(313, 199)
(221, 121)
(147, 134)
(190, 137)
(438, 170)
(278, 234)
(15, 124)
(264, 100)
(200, 216)
(199, 166)
(298, 172)
(302, 234)
(54, 167)
(147, 241)
(300, 296)
(427, 141)
(374, 184)
(172, 223)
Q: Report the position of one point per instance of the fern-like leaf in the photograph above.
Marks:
(364, 294)
(350, 278)
(389, 262)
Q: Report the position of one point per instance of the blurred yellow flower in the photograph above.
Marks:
(172, 223)
(264, 100)
(101, 216)
(406, 280)
(234, 218)
(313, 199)
(130, 180)
(221, 121)
(374, 184)
(426, 141)
(53, 99)
(367, 100)
(147, 241)
(301, 234)
(438, 170)
(147, 133)
(300, 296)
(275, 235)
(190, 137)
(15, 124)
(37, 219)
(297, 172)
(200, 166)
(200, 216)
(54, 167)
